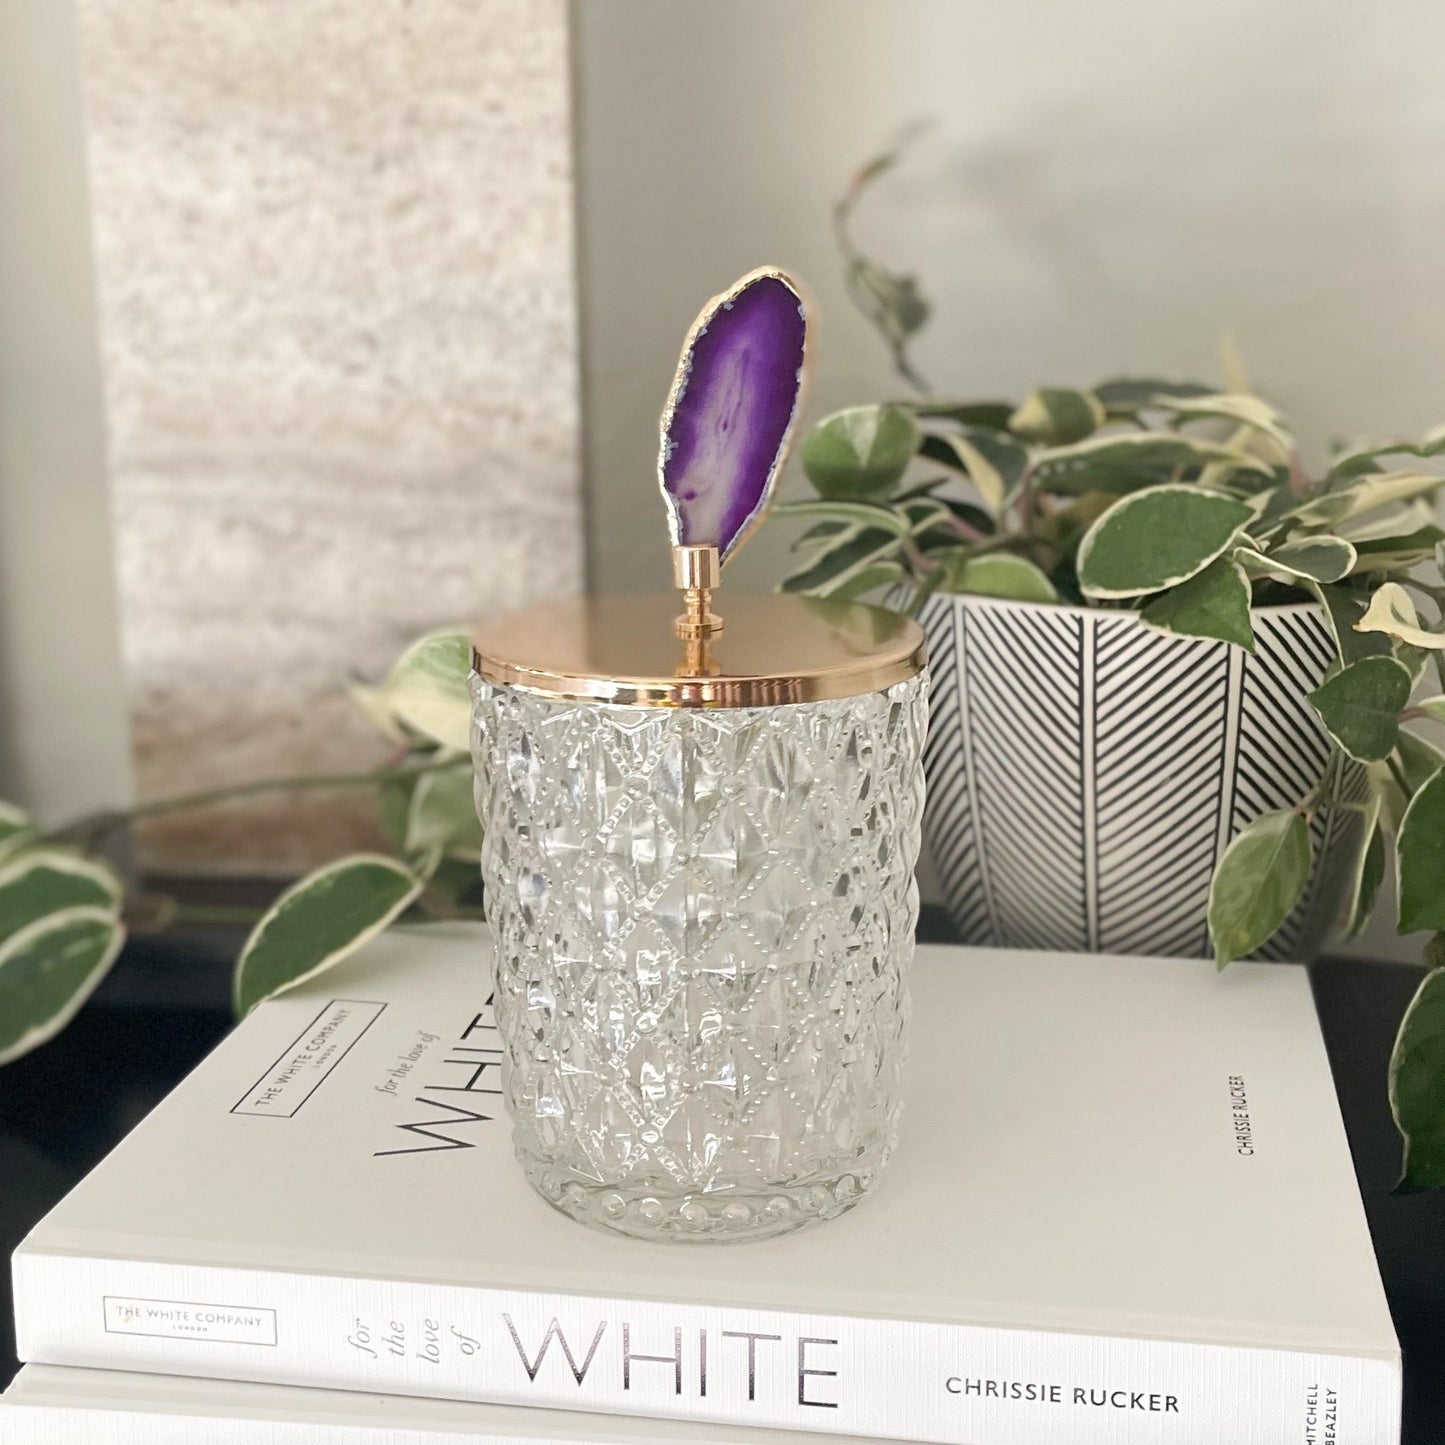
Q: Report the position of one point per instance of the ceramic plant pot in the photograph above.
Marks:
(1086, 773)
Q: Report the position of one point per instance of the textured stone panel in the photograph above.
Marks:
(334, 254)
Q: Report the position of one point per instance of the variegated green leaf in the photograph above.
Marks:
(442, 814)
(1415, 660)
(1343, 609)
(373, 705)
(320, 921)
(926, 488)
(1393, 798)
(1420, 858)
(1398, 552)
(840, 561)
(1419, 760)
(47, 880)
(1353, 462)
(1273, 507)
(992, 414)
(1057, 416)
(1065, 525)
(924, 514)
(1316, 559)
(1389, 488)
(879, 515)
(995, 574)
(1417, 1085)
(1360, 706)
(1125, 397)
(1248, 411)
(1126, 461)
(15, 828)
(1330, 509)
(1367, 870)
(47, 971)
(993, 461)
(429, 689)
(1368, 494)
(1362, 458)
(860, 452)
(872, 579)
(816, 533)
(1213, 603)
(857, 558)
(393, 806)
(1257, 883)
(1394, 521)
(1157, 538)
(1392, 613)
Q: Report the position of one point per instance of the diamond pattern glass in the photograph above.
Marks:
(704, 920)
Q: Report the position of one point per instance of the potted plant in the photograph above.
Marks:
(1172, 672)
(1153, 652)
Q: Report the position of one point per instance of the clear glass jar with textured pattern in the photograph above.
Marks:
(703, 918)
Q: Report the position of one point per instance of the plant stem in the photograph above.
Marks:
(96, 825)
(1026, 505)
(372, 777)
(923, 590)
(1398, 774)
(1002, 541)
(1320, 791)
(865, 296)
(966, 530)
(919, 563)
(905, 368)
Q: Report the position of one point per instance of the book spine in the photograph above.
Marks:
(95, 1425)
(26, 1424)
(875, 1377)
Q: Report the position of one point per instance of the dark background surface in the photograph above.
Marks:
(165, 1006)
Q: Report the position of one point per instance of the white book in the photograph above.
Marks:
(1122, 1211)
(53, 1405)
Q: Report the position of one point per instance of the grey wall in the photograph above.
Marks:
(1106, 187)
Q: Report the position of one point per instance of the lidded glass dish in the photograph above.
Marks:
(700, 840)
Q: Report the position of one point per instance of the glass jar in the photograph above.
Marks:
(700, 885)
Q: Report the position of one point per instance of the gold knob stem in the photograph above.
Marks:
(696, 570)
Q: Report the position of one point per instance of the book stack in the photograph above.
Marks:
(1122, 1211)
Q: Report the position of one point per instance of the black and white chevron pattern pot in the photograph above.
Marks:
(1086, 773)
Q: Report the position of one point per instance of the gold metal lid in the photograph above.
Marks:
(636, 651)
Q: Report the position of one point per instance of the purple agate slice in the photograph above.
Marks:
(730, 415)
